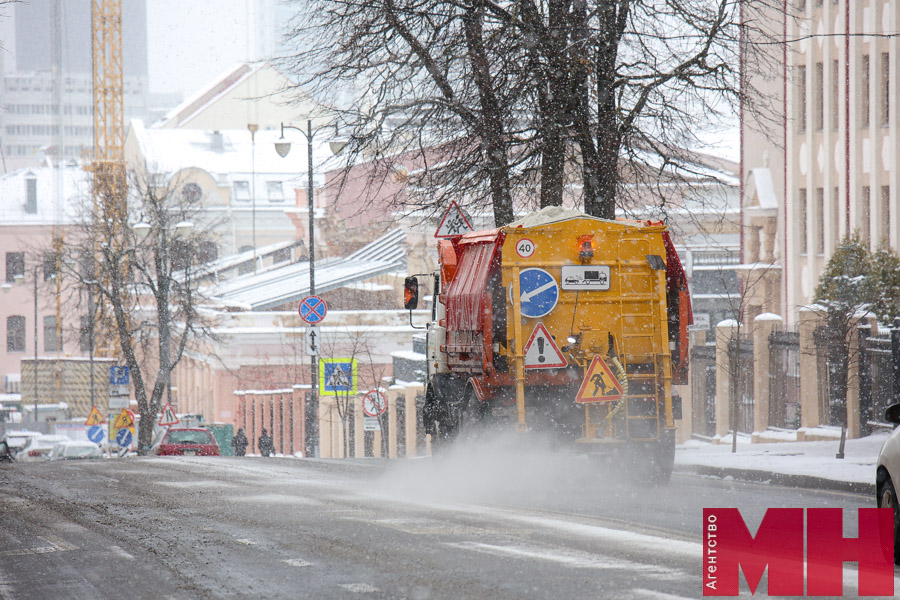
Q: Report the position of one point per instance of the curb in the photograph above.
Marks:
(800, 481)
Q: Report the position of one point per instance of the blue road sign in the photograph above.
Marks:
(538, 292)
(313, 309)
(119, 375)
(123, 438)
(95, 433)
(337, 375)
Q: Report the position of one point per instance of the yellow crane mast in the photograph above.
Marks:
(108, 158)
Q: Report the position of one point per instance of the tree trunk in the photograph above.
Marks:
(492, 131)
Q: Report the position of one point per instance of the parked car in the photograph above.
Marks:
(16, 440)
(38, 447)
(72, 450)
(188, 442)
(887, 475)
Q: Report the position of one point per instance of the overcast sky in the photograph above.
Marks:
(191, 43)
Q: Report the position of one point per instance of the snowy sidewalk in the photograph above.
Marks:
(803, 464)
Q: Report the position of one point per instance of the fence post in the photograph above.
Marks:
(865, 378)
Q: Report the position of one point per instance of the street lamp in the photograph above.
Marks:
(283, 147)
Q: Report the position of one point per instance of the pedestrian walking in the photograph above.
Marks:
(266, 445)
(239, 442)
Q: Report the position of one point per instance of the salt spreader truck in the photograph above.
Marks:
(560, 323)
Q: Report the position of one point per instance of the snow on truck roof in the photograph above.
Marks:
(555, 214)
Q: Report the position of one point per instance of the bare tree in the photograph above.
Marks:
(143, 258)
(493, 98)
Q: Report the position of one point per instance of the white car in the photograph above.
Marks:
(72, 450)
(887, 477)
(39, 447)
(16, 440)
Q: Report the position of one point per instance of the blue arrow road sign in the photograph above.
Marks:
(313, 309)
(123, 438)
(538, 292)
(95, 433)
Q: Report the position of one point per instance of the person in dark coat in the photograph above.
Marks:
(266, 445)
(239, 442)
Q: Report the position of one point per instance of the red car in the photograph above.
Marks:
(188, 442)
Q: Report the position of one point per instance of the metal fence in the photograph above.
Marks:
(828, 372)
(879, 375)
(784, 379)
(744, 372)
(703, 389)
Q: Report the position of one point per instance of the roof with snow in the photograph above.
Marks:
(230, 153)
(76, 190)
(290, 283)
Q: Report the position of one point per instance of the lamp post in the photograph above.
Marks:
(283, 147)
(35, 344)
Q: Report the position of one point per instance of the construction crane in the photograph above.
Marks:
(108, 157)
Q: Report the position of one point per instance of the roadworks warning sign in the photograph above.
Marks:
(599, 384)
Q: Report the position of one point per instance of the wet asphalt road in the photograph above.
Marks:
(514, 526)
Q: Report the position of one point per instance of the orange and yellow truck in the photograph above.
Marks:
(562, 323)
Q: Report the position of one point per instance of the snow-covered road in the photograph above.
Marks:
(523, 525)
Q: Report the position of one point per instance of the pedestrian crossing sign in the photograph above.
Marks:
(599, 384)
(337, 376)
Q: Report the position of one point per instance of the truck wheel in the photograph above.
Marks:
(650, 462)
(663, 458)
(471, 421)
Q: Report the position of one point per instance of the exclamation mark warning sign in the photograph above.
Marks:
(541, 351)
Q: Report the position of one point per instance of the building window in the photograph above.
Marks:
(803, 219)
(835, 94)
(207, 252)
(275, 191)
(282, 255)
(885, 88)
(15, 333)
(865, 213)
(31, 195)
(864, 89)
(885, 215)
(241, 190)
(801, 97)
(820, 96)
(836, 221)
(52, 338)
(84, 334)
(191, 193)
(820, 220)
(15, 266)
(49, 266)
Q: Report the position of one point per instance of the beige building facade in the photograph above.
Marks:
(840, 156)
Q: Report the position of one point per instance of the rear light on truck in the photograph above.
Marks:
(585, 248)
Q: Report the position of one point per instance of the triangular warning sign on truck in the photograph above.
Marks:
(599, 384)
(95, 418)
(168, 416)
(453, 223)
(541, 351)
